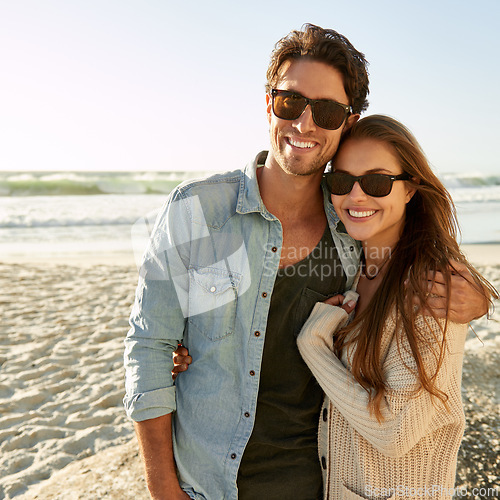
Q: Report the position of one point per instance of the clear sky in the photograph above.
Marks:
(176, 85)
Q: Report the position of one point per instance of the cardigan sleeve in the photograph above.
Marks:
(409, 412)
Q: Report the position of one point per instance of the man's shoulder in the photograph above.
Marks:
(218, 186)
(211, 200)
(218, 180)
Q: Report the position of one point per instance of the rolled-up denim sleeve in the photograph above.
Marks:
(158, 317)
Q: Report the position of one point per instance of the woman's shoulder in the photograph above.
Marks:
(431, 329)
(431, 335)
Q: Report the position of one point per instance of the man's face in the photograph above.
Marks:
(300, 147)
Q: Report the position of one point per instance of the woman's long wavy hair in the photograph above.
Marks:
(428, 244)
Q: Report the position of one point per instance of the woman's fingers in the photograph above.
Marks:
(349, 306)
(336, 300)
(181, 361)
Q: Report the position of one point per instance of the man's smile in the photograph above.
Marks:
(300, 144)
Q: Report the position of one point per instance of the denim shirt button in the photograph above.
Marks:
(257, 334)
(233, 455)
(213, 289)
(252, 373)
(351, 248)
(264, 294)
(274, 249)
(247, 414)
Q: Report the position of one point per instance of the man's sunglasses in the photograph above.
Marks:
(377, 185)
(326, 113)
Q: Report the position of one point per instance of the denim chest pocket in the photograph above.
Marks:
(213, 297)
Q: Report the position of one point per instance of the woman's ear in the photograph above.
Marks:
(410, 189)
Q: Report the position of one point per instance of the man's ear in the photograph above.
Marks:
(269, 107)
(351, 120)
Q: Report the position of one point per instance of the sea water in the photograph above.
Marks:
(63, 213)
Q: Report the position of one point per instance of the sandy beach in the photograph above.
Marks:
(63, 431)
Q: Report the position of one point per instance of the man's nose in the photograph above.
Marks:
(305, 123)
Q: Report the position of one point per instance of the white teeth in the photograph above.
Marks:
(304, 145)
(353, 213)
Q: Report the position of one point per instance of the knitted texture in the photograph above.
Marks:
(412, 453)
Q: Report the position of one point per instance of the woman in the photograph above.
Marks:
(392, 419)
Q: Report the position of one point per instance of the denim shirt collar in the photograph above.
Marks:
(249, 199)
(330, 211)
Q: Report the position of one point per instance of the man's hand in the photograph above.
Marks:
(181, 360)
(466, 300)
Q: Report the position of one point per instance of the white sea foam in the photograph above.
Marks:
(475, 194)
(67, 211)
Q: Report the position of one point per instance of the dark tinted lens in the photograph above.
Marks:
(376, 185)
(339, 183)
(328, 114)
(288, 106)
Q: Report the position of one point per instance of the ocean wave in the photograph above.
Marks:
(50, 212)
(484, 194)
(90, 183)
(454, 181)
(112, 217)
(463, 187)
(62, 222)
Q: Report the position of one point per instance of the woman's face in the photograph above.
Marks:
(376, 221)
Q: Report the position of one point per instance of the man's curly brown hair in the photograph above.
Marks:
(329, 47)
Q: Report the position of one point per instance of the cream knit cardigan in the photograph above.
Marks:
(413, 452)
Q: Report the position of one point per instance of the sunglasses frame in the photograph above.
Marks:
(310, 102)
(359, 179)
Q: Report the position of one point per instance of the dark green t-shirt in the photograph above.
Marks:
(281, 458)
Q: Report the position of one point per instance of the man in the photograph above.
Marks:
(235, 264)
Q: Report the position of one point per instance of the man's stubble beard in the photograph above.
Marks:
(296, 165)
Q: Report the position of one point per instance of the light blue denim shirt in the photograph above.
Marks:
(206, 281)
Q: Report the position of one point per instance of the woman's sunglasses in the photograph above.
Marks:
(377, 185)
(326, 113)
